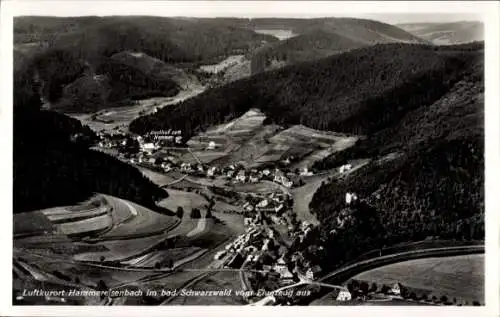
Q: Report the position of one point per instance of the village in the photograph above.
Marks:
(266, 251)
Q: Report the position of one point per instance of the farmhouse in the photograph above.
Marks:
(211, 171)
(148, 146)
(263, 203)
(344, 295)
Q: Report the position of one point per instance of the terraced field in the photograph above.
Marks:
(143, 221)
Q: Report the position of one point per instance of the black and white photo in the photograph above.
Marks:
(171, 158)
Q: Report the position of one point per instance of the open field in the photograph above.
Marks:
(186, 200)
(205, 156)
(228, 62)
(456, 276)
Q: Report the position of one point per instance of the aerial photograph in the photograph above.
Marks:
(251, 161)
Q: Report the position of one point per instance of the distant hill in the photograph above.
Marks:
(65, 49)
(447, 33)
(431, 186)
(358, 92)
(317, 38)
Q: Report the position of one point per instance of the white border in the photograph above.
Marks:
(489, 10)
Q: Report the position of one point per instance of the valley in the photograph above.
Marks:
(262, 157)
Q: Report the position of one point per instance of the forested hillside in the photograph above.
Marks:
(305, 47)
(360, 92)
(53, 165)
(432, 187)
(76, 53)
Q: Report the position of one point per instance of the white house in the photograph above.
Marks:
(263, 203)
(344, 295)
(266, 172)
(305, 172)
(350, 197)
(247, 221)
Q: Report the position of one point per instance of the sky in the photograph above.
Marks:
(386, 11)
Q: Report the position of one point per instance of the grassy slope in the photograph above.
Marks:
(447, 33)
(324, 37)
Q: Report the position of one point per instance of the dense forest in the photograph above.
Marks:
(432, 187)
(359, 92)
(53, 165)
(173, 40)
